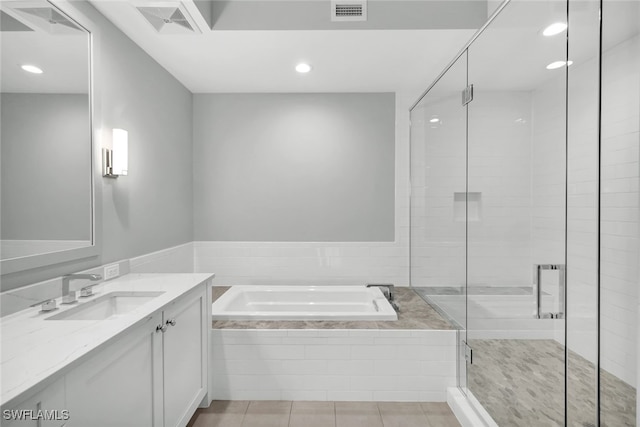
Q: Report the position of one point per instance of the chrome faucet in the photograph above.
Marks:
(69, 297)
(388, 290)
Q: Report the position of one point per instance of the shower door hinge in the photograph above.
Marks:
(467, 95)
(468, 353)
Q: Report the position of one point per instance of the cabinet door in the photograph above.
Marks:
(184, 350)
(119, 386)
(44, 409)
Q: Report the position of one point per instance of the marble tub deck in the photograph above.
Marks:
(414, 313)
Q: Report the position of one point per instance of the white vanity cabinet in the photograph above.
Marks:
(153, 376)
(184, 353)
(51, 401)
(117, 386)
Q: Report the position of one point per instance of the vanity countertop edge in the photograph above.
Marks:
(34, 351)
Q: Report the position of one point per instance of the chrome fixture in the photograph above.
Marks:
(47, 305)
(388, 290)
(164, 326)
(537, 291)
(115, 161)
(87, 291)
(69, 297)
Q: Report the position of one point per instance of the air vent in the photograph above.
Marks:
(169, 19)
(44, 18)
(348, 10)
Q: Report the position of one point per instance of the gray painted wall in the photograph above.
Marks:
(294, 167)
(316, 15)
(46, 173)
(151, 208)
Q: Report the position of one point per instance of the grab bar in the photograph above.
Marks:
(538, 291)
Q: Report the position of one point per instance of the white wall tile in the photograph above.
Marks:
(346, 371)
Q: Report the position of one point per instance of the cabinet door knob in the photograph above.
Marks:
(161, 328)
(171, 322)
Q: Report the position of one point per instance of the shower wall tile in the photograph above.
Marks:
(619, 217)
(499, 176)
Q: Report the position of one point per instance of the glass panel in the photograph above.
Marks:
(582, 213)
(516, 197)
(438, 196)
(619, 254)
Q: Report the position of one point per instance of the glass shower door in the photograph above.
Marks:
(516, 205)
(438, 201)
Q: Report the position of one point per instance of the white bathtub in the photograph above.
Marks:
(302, 303)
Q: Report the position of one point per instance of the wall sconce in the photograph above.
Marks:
(115, 161)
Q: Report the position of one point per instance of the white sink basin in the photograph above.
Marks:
(106, 306)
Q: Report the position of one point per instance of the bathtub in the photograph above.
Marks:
(342, 303)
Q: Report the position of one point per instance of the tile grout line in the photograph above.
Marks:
(424, 413)
(290, 410)
(380, 413)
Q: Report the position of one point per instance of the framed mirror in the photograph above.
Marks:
(46, 147)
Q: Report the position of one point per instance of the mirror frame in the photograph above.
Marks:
(40, 261)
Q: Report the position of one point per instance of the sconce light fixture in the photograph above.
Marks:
(115, 161)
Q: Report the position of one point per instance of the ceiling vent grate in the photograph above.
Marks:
(348, 10)
(39, 17)
(169, 19)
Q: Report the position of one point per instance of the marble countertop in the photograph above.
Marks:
(34, 350)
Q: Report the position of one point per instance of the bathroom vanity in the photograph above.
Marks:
(114, 361)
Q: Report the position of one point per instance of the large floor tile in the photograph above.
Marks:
(267, 414)
(402, 414)
(357, 414)
(312, 414)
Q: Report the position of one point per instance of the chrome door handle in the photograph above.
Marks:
(538, 291)
(161, 328)
(171, 322)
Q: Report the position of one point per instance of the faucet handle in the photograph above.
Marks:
(47, 305)
(87, 291)
(387, 289)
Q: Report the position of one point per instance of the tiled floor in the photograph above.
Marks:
(521, 384)
(239, 413)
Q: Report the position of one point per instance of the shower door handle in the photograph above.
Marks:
(537, 291)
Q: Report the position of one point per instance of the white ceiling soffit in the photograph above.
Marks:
(167, 18)
(251, 60)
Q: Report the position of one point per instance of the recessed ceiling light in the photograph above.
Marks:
(303, 68)
(434, 120)
(558, 64)
(31, 69)
(555, 28)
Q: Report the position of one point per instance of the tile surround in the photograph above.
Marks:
(340, 361)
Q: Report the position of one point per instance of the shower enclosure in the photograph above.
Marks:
(525, 211)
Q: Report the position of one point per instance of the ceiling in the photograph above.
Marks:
(61, 51)
(348, 59)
